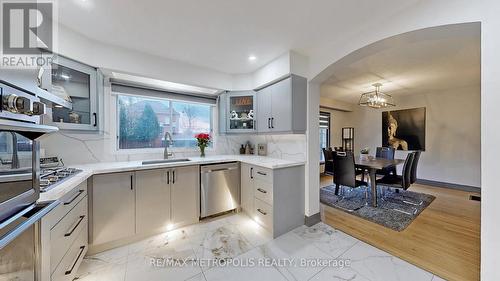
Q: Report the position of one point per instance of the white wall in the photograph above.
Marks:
(81, 48)
(490, 138)
(312, 166)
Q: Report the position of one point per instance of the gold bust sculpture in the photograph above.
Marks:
(391, 133)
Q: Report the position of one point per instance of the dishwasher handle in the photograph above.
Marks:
(219, 170)
(223, 167)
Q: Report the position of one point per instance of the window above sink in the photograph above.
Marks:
(143, 122)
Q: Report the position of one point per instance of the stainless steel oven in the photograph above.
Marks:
(20, 243)
(20, 128)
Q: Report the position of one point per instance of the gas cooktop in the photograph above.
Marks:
(51, 177)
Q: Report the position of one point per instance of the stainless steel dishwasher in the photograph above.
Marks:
(220, 188)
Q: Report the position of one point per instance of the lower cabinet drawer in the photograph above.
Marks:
(68, 202)
(263, 191)
(264, 214)
(67, 268)
(263, 174)
(66, 231)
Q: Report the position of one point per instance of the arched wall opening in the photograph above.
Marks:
(488, 68)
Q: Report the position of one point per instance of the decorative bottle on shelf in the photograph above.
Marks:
(242, 149)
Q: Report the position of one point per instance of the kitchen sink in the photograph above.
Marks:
(164, 161)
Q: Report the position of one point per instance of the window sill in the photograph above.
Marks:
(160, 150)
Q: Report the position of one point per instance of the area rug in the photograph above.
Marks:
(391, 212)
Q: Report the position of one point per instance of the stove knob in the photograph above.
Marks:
(17, 104)
(38, 108)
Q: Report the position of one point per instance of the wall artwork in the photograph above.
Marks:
(404, 129)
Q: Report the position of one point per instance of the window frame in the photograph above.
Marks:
(155, 150)
(328, 132)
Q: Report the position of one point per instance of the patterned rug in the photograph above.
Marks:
(391, 212)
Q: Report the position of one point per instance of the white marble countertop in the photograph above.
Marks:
(114, 167)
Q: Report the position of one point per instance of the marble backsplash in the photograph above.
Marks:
(83, 148)
(289, 147)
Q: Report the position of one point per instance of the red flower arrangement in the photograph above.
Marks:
(203, 141)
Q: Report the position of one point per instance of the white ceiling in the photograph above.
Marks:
(423, 61)
(221, 34)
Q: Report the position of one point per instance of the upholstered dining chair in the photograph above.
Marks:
(345, 175)
(328, 154)
(414, 166)
(387, 153)
(400, 182)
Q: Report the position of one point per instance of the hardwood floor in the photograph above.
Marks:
(444, 239)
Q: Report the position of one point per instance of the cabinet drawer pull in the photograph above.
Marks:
(251, 173)
(262, 212)
(78, 193)
(262, 174)
(168, 177)
(262, 190)
(75, 227)
(68, 272)
(173, 177)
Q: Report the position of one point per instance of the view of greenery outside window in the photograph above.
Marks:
(143, 122)
(324, 133)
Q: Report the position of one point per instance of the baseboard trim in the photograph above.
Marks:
(312, 220)
(467, 188)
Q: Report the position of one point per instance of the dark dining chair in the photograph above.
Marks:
(400, 182)
(414, 166)
(386, 153)
(328, 154)
(345, 175)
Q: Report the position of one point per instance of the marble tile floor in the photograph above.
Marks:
(236, 248)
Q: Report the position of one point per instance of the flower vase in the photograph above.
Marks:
(202, 151)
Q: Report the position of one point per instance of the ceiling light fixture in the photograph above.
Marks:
(376, 99)
(252, 58)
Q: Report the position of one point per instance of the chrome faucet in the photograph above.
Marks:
(168, 143)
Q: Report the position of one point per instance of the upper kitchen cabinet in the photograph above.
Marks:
(282, 106)
(77, 83)
(237, 112)
(222, 106)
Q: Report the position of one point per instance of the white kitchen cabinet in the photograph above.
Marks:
(282, 106)
(63, 236)
(113, 207)
(264, 110)
(185, 195)
(247, 191)
(78, 83)
(273, 198)
(239, 108)
(152, 200)
(223, 112)
(129, 206)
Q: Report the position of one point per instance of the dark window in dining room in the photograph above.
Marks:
(324, 132)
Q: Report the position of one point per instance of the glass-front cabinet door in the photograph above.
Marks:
(241, 113)
(77, 83)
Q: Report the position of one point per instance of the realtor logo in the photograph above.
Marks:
(26, 27)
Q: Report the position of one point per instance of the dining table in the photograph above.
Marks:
(372, 165)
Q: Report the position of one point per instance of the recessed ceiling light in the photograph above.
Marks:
(252, 58)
